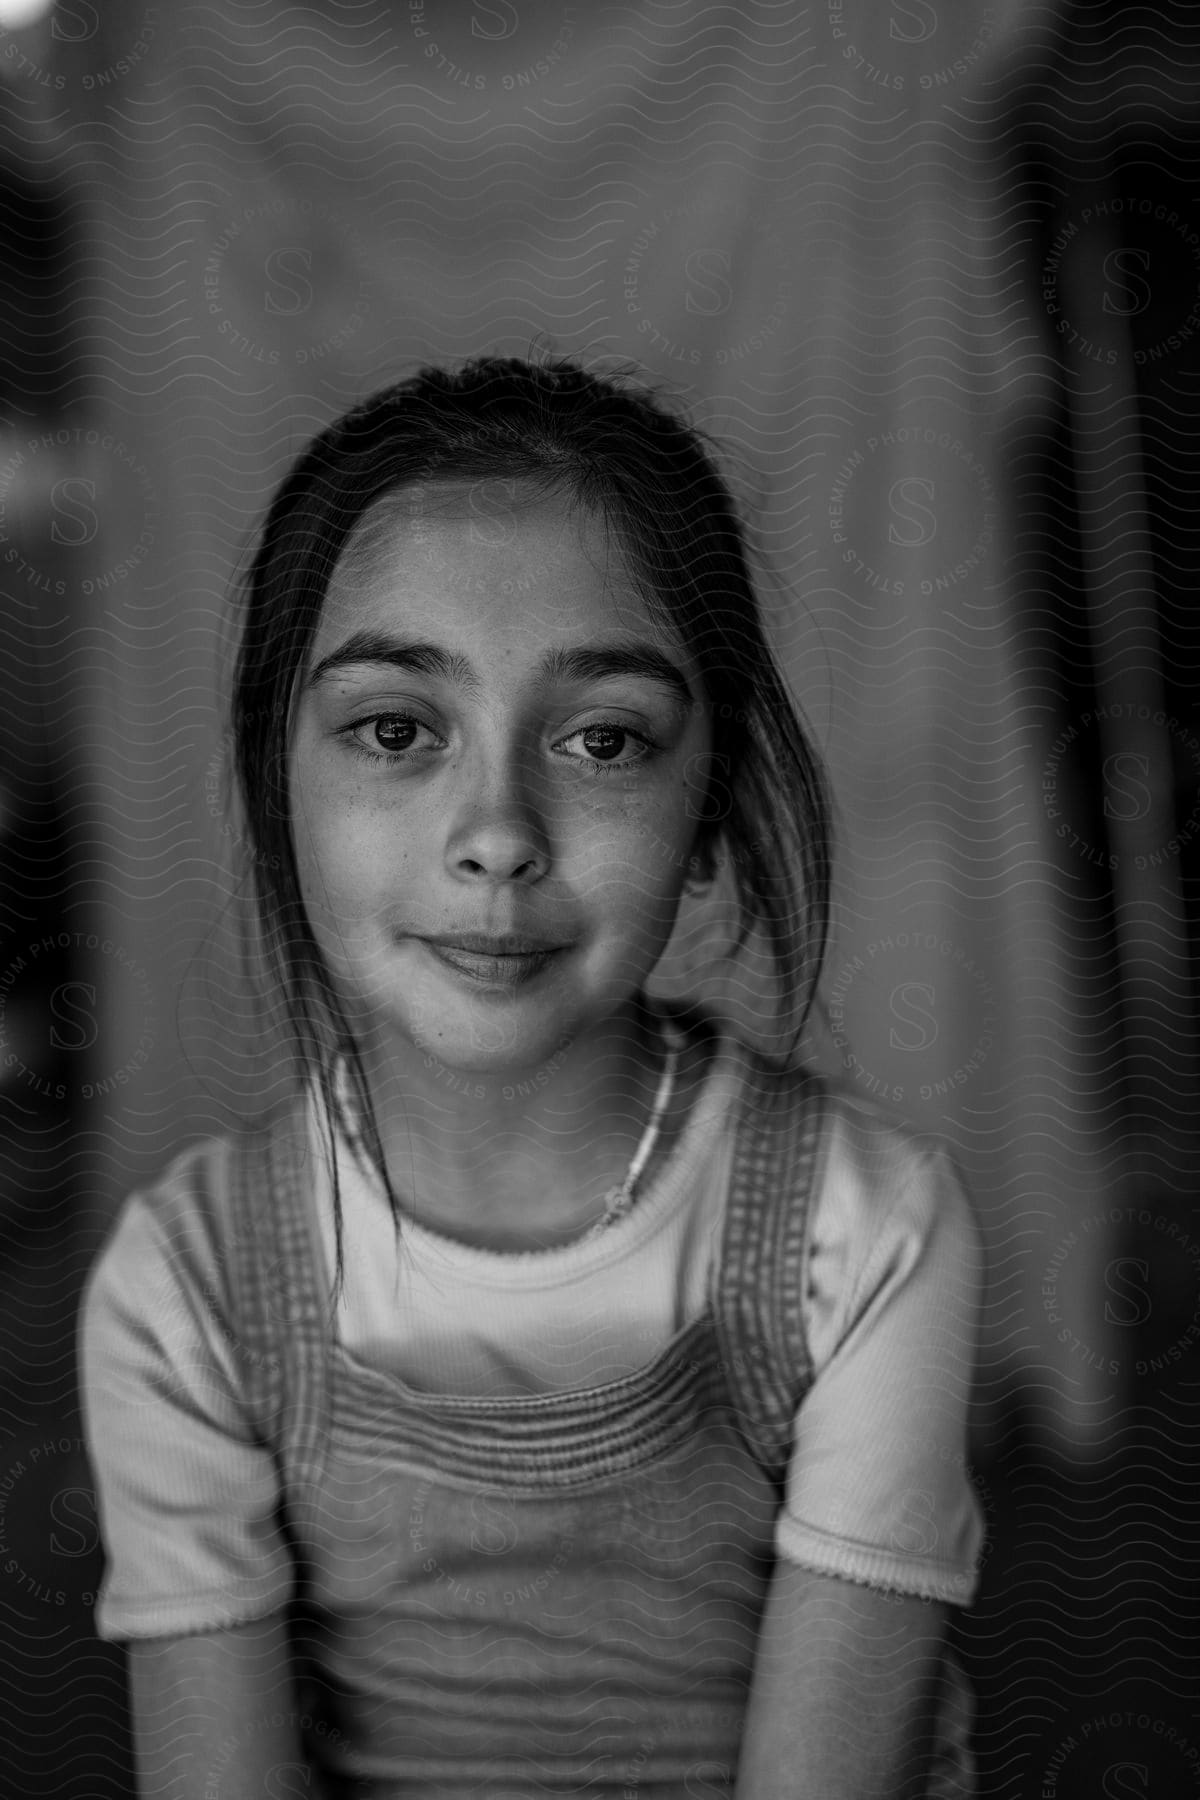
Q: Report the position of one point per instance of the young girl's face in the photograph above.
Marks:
(492, 740)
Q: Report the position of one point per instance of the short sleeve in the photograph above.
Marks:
(186, 1496)
(879, 1487)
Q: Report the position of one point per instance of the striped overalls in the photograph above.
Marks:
(553, 1594)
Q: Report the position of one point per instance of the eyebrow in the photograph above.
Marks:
(588, 662)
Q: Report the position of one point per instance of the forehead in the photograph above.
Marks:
(482, 559)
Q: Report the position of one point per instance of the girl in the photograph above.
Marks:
(556, 1394)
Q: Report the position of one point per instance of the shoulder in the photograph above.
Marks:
(183, 1205)
(877, 1163)
(869, 1164)
(880, 1195)
(164, 1302)
(168, 1238)
(191, 1201)
(174, 1239)
(865, 1157)
(890, 1215)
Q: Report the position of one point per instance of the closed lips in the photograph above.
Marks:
(498, 946)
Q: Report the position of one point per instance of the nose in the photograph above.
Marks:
(499, 834)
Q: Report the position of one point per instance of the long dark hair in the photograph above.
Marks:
(611, 445)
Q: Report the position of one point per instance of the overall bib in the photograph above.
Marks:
(556, 1594)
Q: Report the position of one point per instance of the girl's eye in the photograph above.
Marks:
(395, 737)
(601, 741)
(394, 734)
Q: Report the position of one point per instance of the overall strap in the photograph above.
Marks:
(281, 1330)
(758, 1283)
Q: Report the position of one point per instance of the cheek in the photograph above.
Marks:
(346, 857)
(647, 831)
(635, 863)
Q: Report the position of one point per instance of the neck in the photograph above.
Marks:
(524, 1158)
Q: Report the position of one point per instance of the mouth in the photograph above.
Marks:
(507, 968)
(478, 943)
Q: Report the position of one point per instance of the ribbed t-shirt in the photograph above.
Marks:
(878, 1488)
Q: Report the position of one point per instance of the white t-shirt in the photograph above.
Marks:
(878, 1488)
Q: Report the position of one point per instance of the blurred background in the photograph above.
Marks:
(930, 271)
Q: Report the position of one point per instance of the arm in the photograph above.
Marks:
(842, 1702)
(188, 1507)
(214, 1715)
